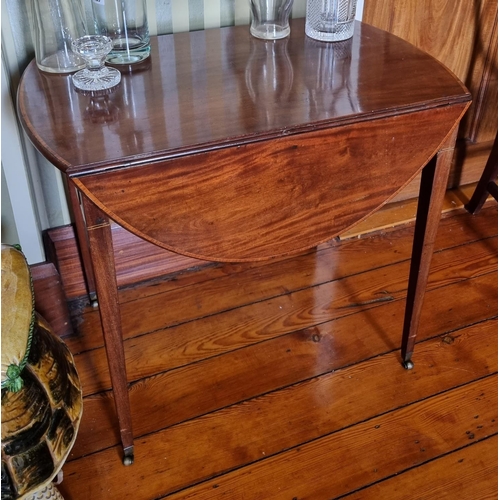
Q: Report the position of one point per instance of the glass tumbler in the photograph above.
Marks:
(270, 18)
(330, 20)
(54, 25)
(126, 23)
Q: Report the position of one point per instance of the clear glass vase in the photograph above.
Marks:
(330, 20)
(54, 25)
(270, 18)
(126, 23)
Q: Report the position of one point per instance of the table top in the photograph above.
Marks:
(220, 87)
(225, 147)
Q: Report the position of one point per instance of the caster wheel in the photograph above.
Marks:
(128, 460)
(94, 304)
(408, 365)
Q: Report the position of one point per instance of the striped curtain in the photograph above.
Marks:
(171, 16)
(164, 16)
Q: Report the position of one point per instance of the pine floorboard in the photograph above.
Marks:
(282, 380)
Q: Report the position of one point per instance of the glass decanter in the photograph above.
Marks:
(96, 76)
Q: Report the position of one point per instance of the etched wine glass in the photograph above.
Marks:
(96, 76)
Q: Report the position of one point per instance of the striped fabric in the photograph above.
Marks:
(164, 16)
(172, 16)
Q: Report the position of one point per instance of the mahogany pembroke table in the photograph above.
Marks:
(228, 148)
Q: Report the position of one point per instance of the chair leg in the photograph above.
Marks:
(486, 184)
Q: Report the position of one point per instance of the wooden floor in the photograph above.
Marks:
(283, 380)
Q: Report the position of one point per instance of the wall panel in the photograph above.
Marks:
(463, 35)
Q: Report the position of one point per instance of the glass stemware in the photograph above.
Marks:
(96, 76)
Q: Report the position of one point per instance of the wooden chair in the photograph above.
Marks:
(487, 184)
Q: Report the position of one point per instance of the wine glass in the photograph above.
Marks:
(93, 49)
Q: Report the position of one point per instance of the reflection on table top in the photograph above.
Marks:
(218, 87)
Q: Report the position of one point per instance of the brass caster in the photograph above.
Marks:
(408, 365)
(128, 456)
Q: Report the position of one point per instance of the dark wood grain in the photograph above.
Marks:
(194, 296)
(403, 436)
(432, 189)
(261, 395)
(275, 197)
(209, 89)
(83, 247)
(225, 148)
(305, 472)
(50, 299)
(62, 250)
(246, 322)
(463, 35)
(245, 313)
(486, 183)
(189, 389)
(100, 242)
(137, 260)
(467, 473)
